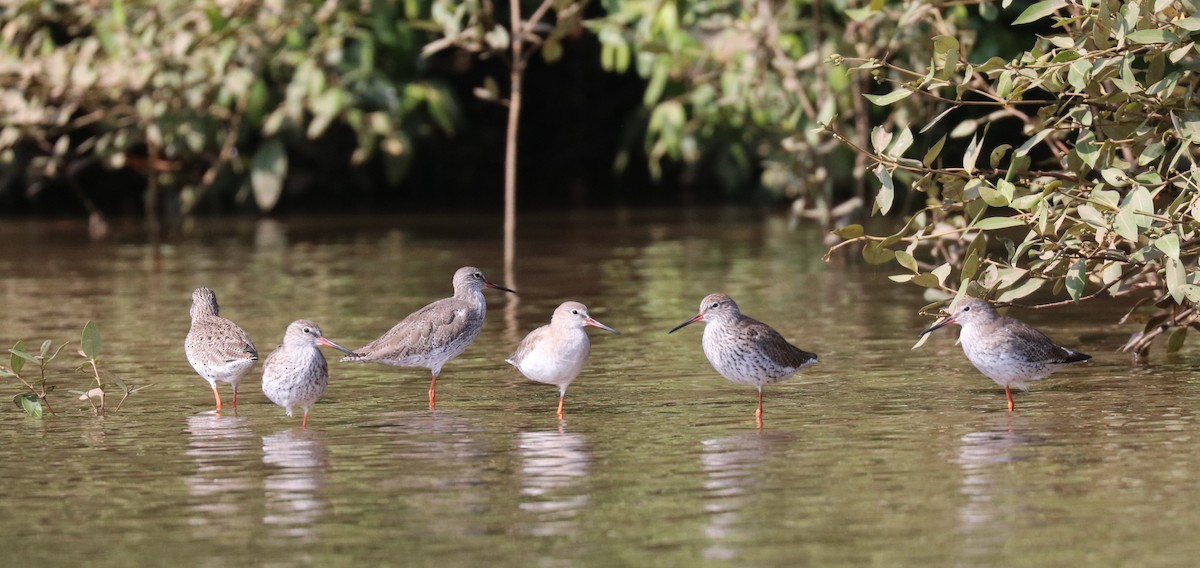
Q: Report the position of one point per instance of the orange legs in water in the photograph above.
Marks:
(560, 403)
(1008, 393)
(433, 393)
(304, 423)
(758, 413)
(216, 395)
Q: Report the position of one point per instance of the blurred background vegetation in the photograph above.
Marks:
(172, 108)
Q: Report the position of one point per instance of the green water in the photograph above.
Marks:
(879, 456)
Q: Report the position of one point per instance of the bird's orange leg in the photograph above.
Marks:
(560, 404)
(433, 393)
(304, 423)
(758, 413)
(235, 399)
(1008, 393)
(217, 396)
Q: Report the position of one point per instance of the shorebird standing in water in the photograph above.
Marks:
(745, 350)
(555, 353)
(295, 374)
(1008, 351)
(217, 348)
(437, 333)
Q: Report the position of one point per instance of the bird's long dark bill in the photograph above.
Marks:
(694, 319)
(938, 325)
(498, 287)
(595, 323)
(328, 343)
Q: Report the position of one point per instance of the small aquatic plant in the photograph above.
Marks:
(35, 401)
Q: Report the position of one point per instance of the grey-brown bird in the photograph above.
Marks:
(436, 333)
(1006, 350)
(745, 350)
(217, 348)
(295, 374)
(554, 354)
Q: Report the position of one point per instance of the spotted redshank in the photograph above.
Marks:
(1008, 351)
(555, 353)
(295, 373)
(437, 333)
(745, 350)
(217, 348)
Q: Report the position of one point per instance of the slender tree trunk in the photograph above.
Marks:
(510, 151)
(516, 73)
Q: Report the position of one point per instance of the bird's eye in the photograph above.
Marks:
(967, 309)
(478, 276)
(715, 305)
(307, 330)
(575, 312)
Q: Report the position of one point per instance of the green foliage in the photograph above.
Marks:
(1100, 198)
(35, 401)
(190, 92)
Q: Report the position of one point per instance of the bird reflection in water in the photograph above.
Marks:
(983, 456)
(731, 468)
(554, 471)
(219, 447)
(298, 460)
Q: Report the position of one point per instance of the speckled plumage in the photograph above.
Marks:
(217, 348)
(745, 350)
(554, 354)
(436, 333)
(1006, 350)
(295, 374)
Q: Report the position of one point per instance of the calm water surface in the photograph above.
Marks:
(879, 456)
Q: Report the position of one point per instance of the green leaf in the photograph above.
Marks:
(30, 403)
(1176, 279)
(1152, 36)
(1092, 216)
(1033, 141)
(1125, 225)
(1078, 73)
(1176, 339)
(875, 253)
(894, 96)
(996, 223)
(91, 340)
(900, 143)
(1076, 279)
(18, 357)
(850, 231)
(927, 280)
(934, 151)
(1139, 202)
(1028, 287)
(991, 196)
(998, 154)
(906, 260)
(1038, 11)
(1191, 23)
(22, 356)
(972, 154)
(887, 190)
(942, 272)
(1169, 244)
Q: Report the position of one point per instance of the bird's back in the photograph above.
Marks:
(439, 331)
(219, 349)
